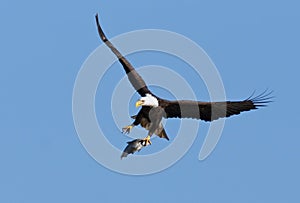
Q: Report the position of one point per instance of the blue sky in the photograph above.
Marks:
(255, 45)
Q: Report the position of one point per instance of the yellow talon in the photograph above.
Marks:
(127, 129)
(147, 139)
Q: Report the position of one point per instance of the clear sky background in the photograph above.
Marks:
(254, 44)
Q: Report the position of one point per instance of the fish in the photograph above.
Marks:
(133, 146)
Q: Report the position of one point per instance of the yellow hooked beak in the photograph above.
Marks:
(139, 103)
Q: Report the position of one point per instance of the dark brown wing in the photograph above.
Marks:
(209, 111)
(136, 80)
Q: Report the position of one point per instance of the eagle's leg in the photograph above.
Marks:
(147, 140)
(136, 122)
(153, 126)
(127, 129)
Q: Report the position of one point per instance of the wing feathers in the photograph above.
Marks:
(136, 80)
(209, 111)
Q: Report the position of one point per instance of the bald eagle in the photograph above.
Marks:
(154, 108)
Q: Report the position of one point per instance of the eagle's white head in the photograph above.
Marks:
(148, 100)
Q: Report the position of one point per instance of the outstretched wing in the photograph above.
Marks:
(136, 80)
(209, 111)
